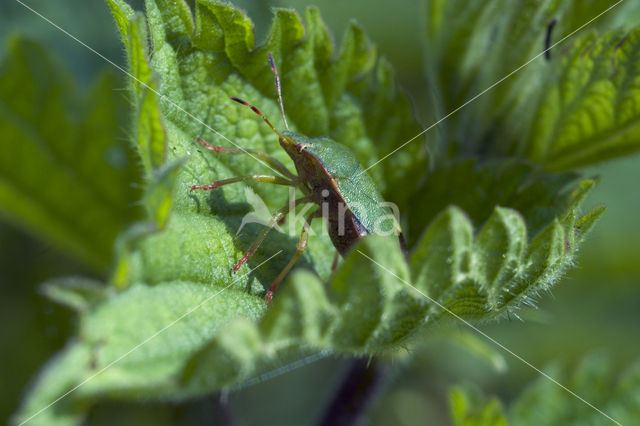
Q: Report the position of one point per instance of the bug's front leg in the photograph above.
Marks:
(277, 180)
(302, 246)
(271, 161)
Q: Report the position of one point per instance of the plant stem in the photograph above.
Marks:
(355, 392)
(222, 411)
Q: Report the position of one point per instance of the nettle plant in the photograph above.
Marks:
(491, 213)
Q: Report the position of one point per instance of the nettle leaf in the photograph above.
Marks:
(539, 197)
(469, 407)
(152, 368)
(66, 172)
(480, 261)
(543, 402)
(578, 105)
(135, 343)
(590, 111)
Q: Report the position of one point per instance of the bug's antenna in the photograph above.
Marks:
(275, 73)
(257, 111)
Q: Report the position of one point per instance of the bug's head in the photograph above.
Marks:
(292, 141)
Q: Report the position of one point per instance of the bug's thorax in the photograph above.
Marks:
(310, 170)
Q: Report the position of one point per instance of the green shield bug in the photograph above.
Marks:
(328, 175)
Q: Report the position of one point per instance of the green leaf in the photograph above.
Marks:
(172, 321)
(137, 342)
(500, 249)
(449, 237)
(477, 188)
(588, 221)
(479, 262)
(470, 408)
(150, 135)
(595, 380)
(577, 106)
(80, 294)
(66, 173)
(158, 198)
(590, 111)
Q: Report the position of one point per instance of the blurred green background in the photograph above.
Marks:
(595, 308)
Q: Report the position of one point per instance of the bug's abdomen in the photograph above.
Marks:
(345, 231)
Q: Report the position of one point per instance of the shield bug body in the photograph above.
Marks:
(329, 176)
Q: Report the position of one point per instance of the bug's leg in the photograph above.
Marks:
(302, 246)
(403, 246)
(256, 178)
(272, 223)
(271, 161)
(334, 265)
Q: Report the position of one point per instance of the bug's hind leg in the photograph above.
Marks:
(277, 180)
(272, 223)
(302, 246)
(271, 161)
